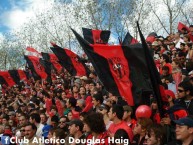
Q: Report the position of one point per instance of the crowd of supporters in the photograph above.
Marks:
(78, 110)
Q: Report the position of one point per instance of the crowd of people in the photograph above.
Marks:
(78, 110)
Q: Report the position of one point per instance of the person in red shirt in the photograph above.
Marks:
(116, 114)
(165, 62)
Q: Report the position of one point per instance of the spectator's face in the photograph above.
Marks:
(1, 129)
(22, 120)
(54, 111)
(50, 135)
(82, 91)
(43, 118)
(91, 86)
(75, 89)
(137, 129)
(11, 122)
(126, 115)
(95, 102)
(63, 95)
(29, 132)
(62, 122)
(86, 128)
(181, 92)
(70, 116)
(67, 104)
(151, 139)
(111, 115)
(22, 131)
(31, 120)
(11, 116)
(183, 132)
(4, 121)
(72, 129)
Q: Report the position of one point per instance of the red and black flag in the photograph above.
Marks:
(6, 79)
(96, 36)
(18, 76)
(153, 72)
(53, 59)
(128, 40)
(47, 66)
(37, 69)
(151, 37)
(70, 61)
(121, 69)
(182, 27)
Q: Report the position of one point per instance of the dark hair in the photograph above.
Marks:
(159, 131)
(187, 86)
(36, 117)
(95, 122)
(32, 125)
(72, 101)
(59, 133)
(166, 57)
(98, 97)
(121, 134)
(118, 109)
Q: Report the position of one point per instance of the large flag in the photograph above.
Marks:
(121, 69)
(37, 69)
(5, 78)
(70, 61)
(96, 36)
(47, 66)
(53, 59)
(30, 51)
(182, 26)
(128, 40)
(154, 74)
(151, 37)
(18, 75)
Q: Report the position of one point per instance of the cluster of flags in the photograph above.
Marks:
(126, 70)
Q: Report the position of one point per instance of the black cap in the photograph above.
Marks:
(77, 122)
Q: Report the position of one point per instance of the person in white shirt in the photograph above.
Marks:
(35, 119)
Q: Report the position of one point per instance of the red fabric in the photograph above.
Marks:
(59, 107)
(122, 125)
(89, 104)
(180, 114)
(48, 104)
(22, 75)
(170, 93)
(157, 118)
(96, 36)
(181, 26)
(120, 75)
(75, 114)
(38, 68)
(54, 60)
(6, 76)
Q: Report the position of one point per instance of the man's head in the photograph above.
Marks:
(35, 118)
(30, 130)
(71, 102)
(62, 121)
(43, 118)
(127, 112)
(97, 99)
(185, 89)
(184, 128)
(75, 126)
(116, 112)
(22, 120)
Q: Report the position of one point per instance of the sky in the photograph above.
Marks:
(14, 13)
